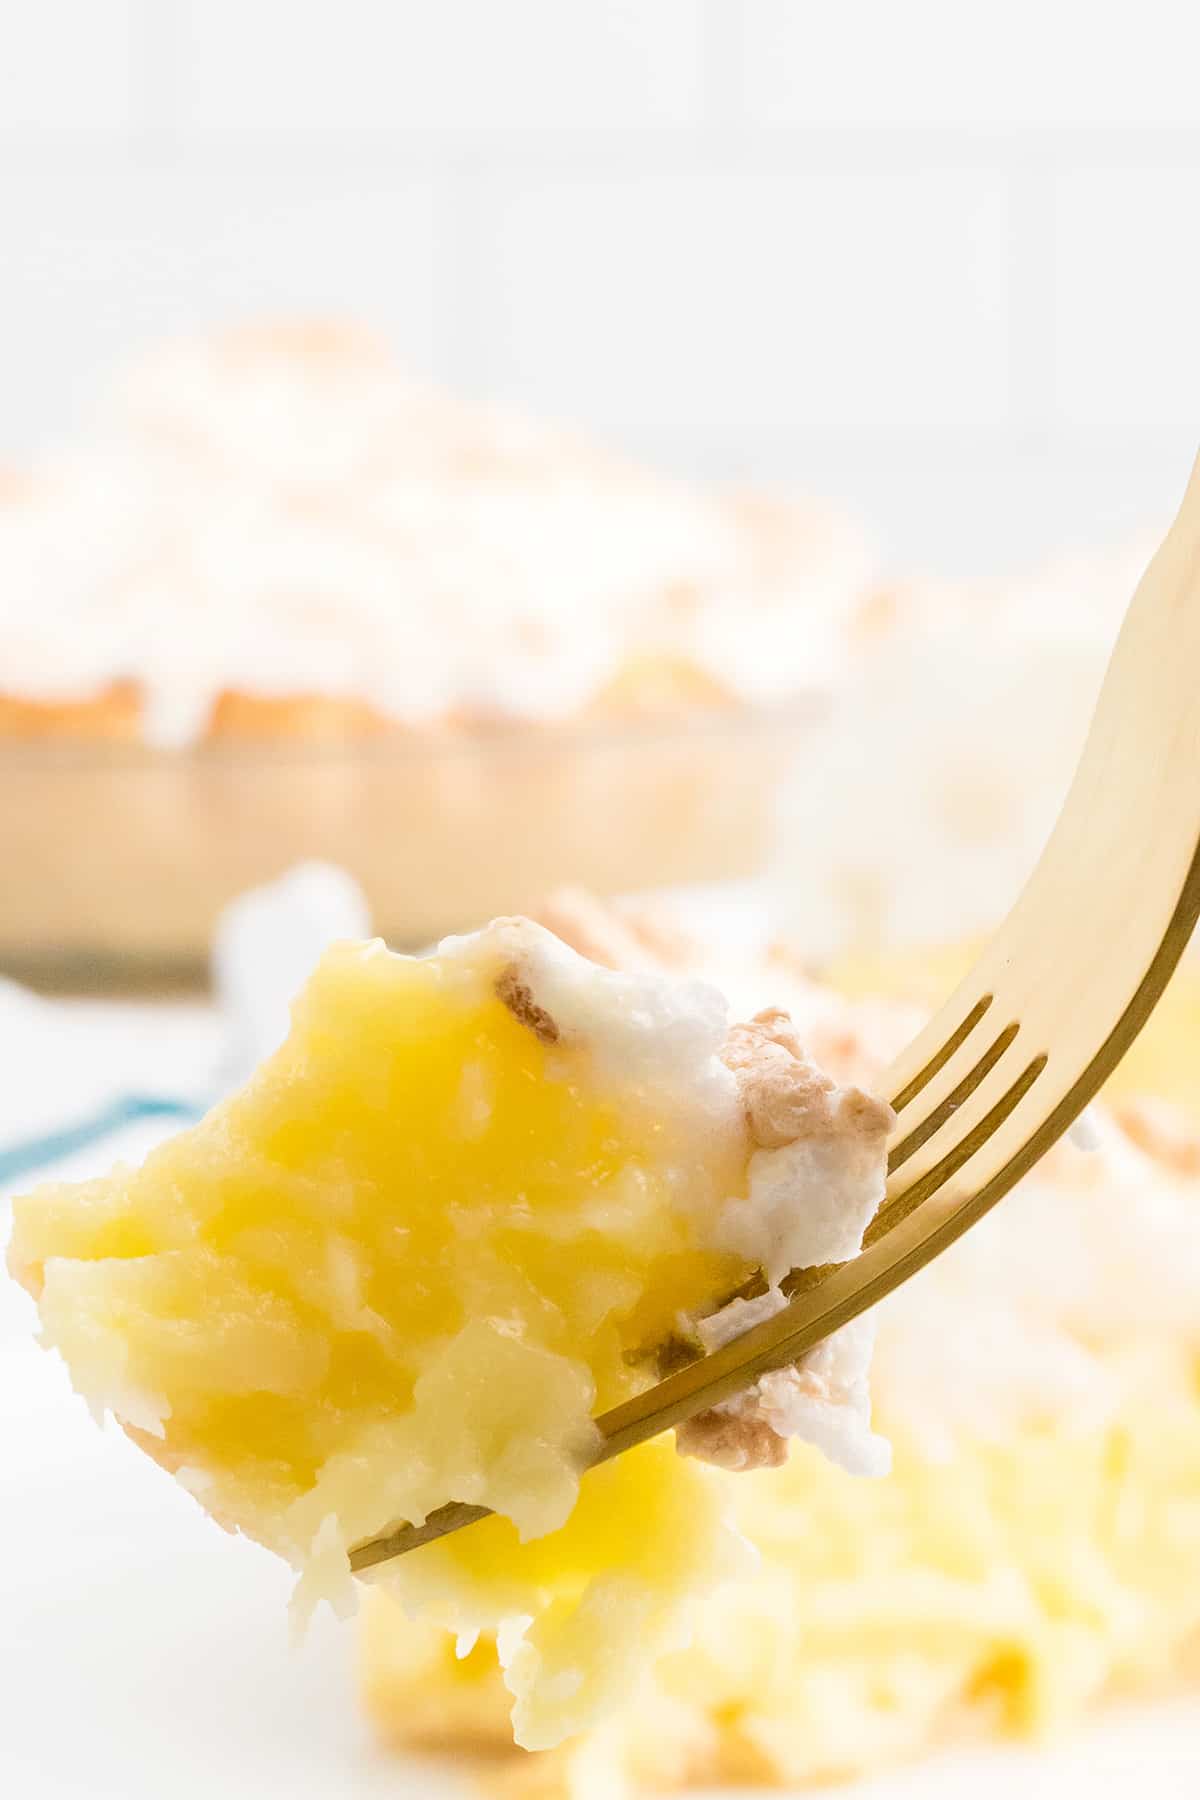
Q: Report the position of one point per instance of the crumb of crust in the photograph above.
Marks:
(516, 995)
(731, 1440)
(1163, 1131)
(632, 942)
(737, 1435)
(786, 1096)
(752, 1430)
(674, 1352)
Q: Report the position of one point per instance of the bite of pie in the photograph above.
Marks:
(1035, 1550)
(469, 1204)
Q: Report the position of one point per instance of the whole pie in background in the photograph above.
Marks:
(279, 600)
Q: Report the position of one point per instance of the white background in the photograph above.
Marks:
(939, 258)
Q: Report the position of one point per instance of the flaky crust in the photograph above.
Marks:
(113, 716)
(238, 716)
(297, 718)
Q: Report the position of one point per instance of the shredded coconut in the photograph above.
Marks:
(650, 1030)
(1089, 1248)
(278, 510)
(816, 1164)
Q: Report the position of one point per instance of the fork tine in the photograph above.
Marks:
(949, 1036)
(970, 1142)
(944, 1091)
(1078, 965)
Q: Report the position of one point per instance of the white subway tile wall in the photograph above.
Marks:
(67, 68)
(458, 68)
(938, 260)
(744, 305)
(943, 63)
(1127, 296)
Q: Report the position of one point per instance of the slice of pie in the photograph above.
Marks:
(1036, 1548)
(283, 601)
(466, 1206)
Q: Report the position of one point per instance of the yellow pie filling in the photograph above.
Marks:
(447, 1223)
(1036, 1548)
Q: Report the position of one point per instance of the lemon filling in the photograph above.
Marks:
(453, 1218)
(1036, 1550)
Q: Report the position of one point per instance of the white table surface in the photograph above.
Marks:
(144, 1654)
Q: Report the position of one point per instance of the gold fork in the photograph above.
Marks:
(1033, 1031)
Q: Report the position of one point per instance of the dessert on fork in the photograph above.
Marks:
(1034, 1552)
(474, 1200)
(479, 1195)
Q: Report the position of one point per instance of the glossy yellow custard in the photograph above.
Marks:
(451, 1219)
(1036, 1547)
